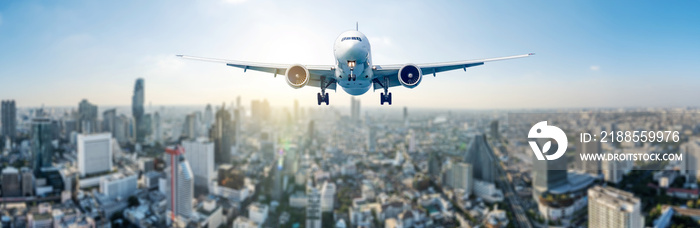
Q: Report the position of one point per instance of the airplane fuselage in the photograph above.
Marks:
(353, 60)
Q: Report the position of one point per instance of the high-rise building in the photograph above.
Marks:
(481, 157)
(137, 109)
(200, 154)
(589, 166)
(157, 130)
(27, 181)
(9, 119)
(42, 149)
(223, 135)
(434, 165)
(11, 182)
(119, 185)
(208, 118)
(87, 117)
(313, 206)
(327, 196)
(494, 129)
(94, 153)
(109, 119)
(371, 139)
(691, 154)
(122, 129)
(180, 183)
(267, 146)
(189, 129)
(462, 177)
(612, 169)
(611, 207)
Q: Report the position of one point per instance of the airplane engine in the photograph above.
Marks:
(410, 76)
(297, 76)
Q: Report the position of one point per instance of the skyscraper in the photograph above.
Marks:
(109, 119)
(208, 118)
(94, 153)
(327, 196)
(481, 157)
(200, 154)
(180, 184)
(87, 117)
(11, 182)
(223, 135)
(462, 178)
(42, 149)
(588, 166)
(494, 129)
(313, 206)
(434, 165)
(157, 130)
(547, 174)
(9, 119)
(611, 207)
(137, 110)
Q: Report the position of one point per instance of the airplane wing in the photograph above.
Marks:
(315, 71)
(432, 68)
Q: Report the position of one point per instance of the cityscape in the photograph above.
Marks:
(247, 164)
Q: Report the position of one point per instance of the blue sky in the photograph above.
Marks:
(589, 53)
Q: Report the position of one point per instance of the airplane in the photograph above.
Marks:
(354, 70)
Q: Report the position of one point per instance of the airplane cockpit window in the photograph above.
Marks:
(351, 38)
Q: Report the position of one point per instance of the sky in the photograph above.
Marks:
(588, 53)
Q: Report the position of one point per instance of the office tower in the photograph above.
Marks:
(690, 152)
(147, 123)
(371, 139)
(119, 185)
(405, 116)
(462, 177)
(94, 153)
(611, 207)
(87, 117)
(411, 141)
(208, 118)
(547, 174)
(109, 119)
(189, 129)
(612, 169)
(480, 155)
(200, 154)
(590, 166)
(434, 164)
(27, 181)
(354, 109)
(157, 130)
(69, 126)
(9, 119)
(313, 206)
(494, 129)
(42, 149)
(180, 183)
(122, 129)
(223, 135)
(137, 110)
(327, 196)
(11, 182)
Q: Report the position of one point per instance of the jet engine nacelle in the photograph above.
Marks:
(410, 76)
(297, 76)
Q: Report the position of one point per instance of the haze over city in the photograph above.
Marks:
(588, 53)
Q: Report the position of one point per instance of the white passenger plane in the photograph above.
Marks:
(354, 70)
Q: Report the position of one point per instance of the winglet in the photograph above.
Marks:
(531, 54)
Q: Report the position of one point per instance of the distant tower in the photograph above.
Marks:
(42, 149)
(137, 102)
(480, 155)
(494, 129)
(157, 130)
(109, 120)
(87, 117)
(223, 135)
(208, 116)
(405, 116)
(9, 119)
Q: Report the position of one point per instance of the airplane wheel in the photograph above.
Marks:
(381, 98)
(318, 97)
(326, 99)
(389, 99)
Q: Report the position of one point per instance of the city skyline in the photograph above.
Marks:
(588, 57)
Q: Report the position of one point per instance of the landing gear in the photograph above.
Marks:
(386, 98)
(386, 95)
(322, 97)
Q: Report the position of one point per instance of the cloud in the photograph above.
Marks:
(595, 67)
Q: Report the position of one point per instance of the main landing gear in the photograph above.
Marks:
(386, 95)
(322, 97)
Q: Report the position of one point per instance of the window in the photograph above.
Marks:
(351, 38)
